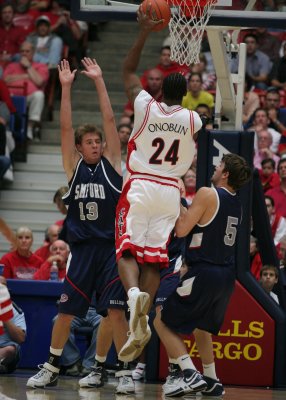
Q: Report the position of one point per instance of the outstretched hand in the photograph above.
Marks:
(92, 69)
(66, 76)
(145, 20)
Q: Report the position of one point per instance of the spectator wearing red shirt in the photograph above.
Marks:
(21, 263)
(153, 84)
(166, 66)
(59, 252)
(11, 36)
(35, 75)
(279, 193)
(51, 236)
(6, 97)
(268, 177)
(255, 259)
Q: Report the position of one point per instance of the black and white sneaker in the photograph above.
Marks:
(214, 388)
(175, 374)
(95, 378)
(46, 377)
(193, 382)
(125, 382)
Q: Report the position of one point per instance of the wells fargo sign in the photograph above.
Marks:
(244, 348)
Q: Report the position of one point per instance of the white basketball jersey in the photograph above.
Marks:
(162, 141)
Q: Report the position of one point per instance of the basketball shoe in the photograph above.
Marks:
(46, 377)
(95, 378)
(139, 372)
(214, 388)
(192, 382)
(175, 374)
(125, 384)
(140, 331)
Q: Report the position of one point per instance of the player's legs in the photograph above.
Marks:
(150, 279)
(48, 375)
(98, 374)
(205, 348)
(128, 271)
(77, 293)
(61, 330)
(192, 380)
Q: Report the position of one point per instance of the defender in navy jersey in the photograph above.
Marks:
(200, 301)
(95, 182)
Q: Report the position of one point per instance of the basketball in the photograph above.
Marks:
(160, 9)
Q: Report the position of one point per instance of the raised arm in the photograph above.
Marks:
(8, 233)
(70, 155)
(200, 211)
(132, 81)
(112, 150)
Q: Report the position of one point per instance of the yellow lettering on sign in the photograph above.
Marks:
(217, 350)
(256, 329)
(236, 333)
(247, 349)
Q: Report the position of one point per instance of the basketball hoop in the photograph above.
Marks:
(187, 26)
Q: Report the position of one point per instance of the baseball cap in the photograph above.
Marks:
(43, 18)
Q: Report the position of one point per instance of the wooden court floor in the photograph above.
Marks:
(14, 388)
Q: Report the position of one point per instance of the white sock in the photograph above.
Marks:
(185, 362)
(132, 291)
(141, 366)
(209, 370)
(173, 361)
(29, 132)
(100, 359)
(56, 352)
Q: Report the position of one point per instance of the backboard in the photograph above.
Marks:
(226, 13)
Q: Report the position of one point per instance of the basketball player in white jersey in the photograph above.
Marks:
(160, 150)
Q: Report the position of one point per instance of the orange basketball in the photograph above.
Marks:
(159, 9)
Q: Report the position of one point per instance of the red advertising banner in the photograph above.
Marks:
(244, 347)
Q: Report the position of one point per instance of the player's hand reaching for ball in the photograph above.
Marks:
(145, 21)
(92, 69)
(66, 76)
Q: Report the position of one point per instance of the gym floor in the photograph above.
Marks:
(14, 388)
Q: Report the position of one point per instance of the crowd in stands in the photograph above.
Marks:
(35, 35)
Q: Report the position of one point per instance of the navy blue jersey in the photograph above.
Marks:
(214, 243)
(92, 198)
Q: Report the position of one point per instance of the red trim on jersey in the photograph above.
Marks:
(192, 123)
(78, 290)
(6, 311)
(140, 255)
(179, 108)
(159, 183)
(130, 147)
(147, 113)
(174, 180)
(156, 179)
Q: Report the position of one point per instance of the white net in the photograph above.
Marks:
(187, 25)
